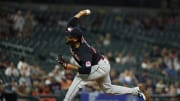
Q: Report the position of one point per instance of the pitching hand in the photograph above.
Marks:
(83, 13)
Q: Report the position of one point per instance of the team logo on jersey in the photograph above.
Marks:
(88, 63)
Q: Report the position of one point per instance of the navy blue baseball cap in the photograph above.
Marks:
(75, 33)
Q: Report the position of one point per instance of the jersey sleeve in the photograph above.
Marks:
(73, 22)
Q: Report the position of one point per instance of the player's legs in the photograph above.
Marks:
(73, 89)
(105, 84)
(100, 73)
(99, 70)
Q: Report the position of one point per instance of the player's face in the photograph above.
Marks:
(71, 40)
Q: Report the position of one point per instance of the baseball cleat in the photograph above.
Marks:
(142, 93)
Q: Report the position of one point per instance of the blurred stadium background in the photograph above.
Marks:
(139, 37)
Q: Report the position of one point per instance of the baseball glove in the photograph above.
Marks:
(62, 61)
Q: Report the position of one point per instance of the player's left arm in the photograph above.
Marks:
(63, 62)
(82, 70)
(85, 69)
(86, 65)
(71, 67)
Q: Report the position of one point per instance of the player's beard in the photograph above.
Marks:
(74, 44)
(69, 42)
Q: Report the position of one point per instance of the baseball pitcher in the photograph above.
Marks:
(93, 65)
